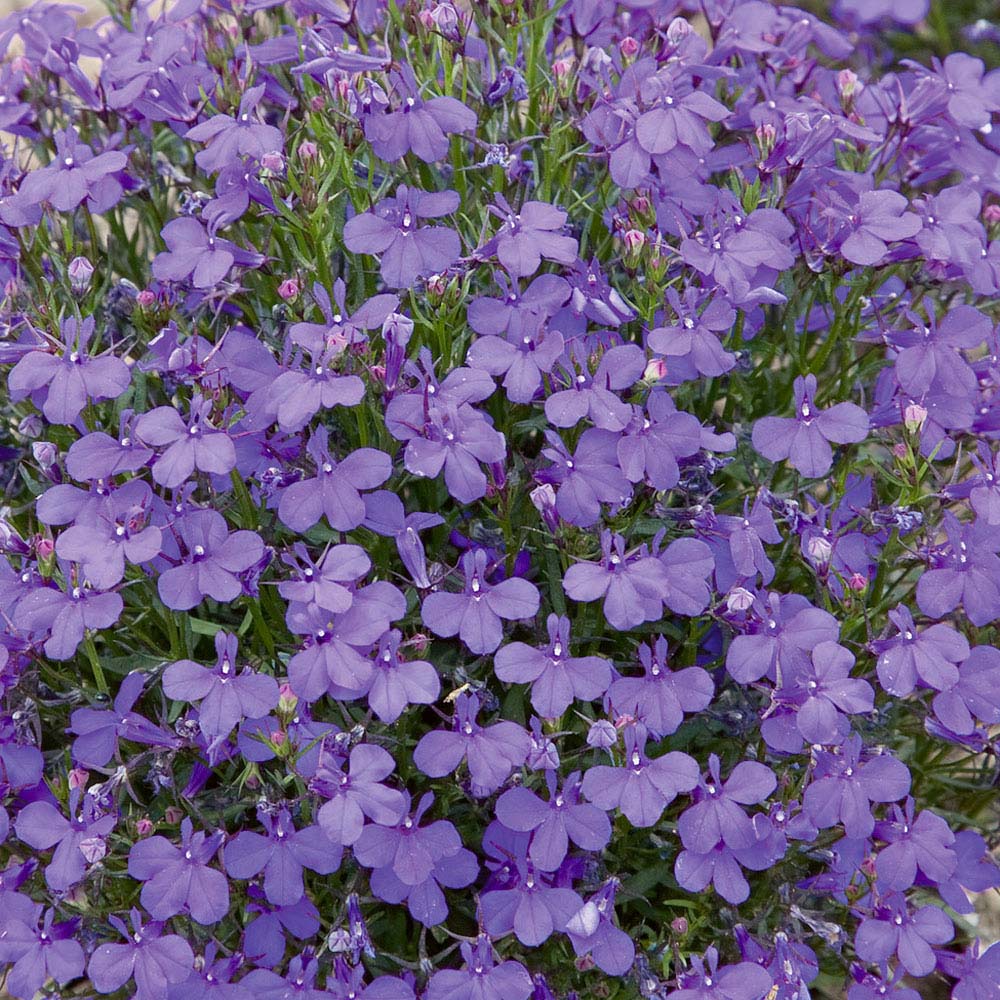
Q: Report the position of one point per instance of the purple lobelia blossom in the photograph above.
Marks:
(642, 788)
(739, 552)
(693, 340)
(227, 696)
(342, 328)
(660, 698)
(330, 661)
(408, 250)
(716, 815)
(653, 441)
(38, 953)
(280, 855)
(335, 490)
(805, 438)
(492, 752)
(870, 221)
(154, 960)
(230, 138)
(385, 515)
(706, 980)
(586, 478)
(215, 558)
(965, 571)
(78, 840)
(416, 125)
(196, 444)
(99, 455)
(515, 315)
(356, 793)
(893, 929)
(527, 236)
(592, 931)
(411, 862)
(118, 533)
(264, 938)
(978, 973)
(178, 879)
(923, 844)
(325, 585)
(595, 396)
(211, 977)
(196, 253)
(522, 357)
(62, 376)
(98, 731)
(556, 678)
(843, 787)
(975, 695)
(930, 656)
(555, 823)
(475, 614)
(74, 174)
(482, 977)
(976, 871)
(397, 683)
(972, 96)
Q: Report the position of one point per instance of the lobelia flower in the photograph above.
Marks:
(527, 236)
(641, 788)
(694, 338)
(870, 221)
(197, 444)
(211, 981)
(231, 138)
(923, 844)
(966, 571)
(196, 253)
(978, 974)
(70, 376)
(972, 97)
(227, 697)
(178, 879)
(556, 678)
(416, 125)
(398, 683)
(281, 855)
(385, 515)
(522, 358)
(215, 557)
(264, 938)
(340, 328)
(930, 656)
(660, 698)
(78, 841)
(475, 614)
(592, 931)
(805, 438)
(411, 862)
(843, 787)
(975, 871)
(325, 585)
(894, 929)
(482, 977)
(594, 396)
(974, 695)
(655, 439)
(707, 981)
(39, 953)
(555, 823)
(357, 794)
(515, 315)
(492, 752)
(739, 554)
(155, 961)
(408, 251)
(335, 490)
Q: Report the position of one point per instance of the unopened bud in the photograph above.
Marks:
(144, 826)
(991, 213)
(287, 699)
(308, 150)
(914, 417)
(678, 30)
(628, 46)
(31, 426)
(601, 735)
(145, 298)
(655, 370)
(738, 600)
(45, 454)
(273, 161)
(44, 548)
(634, 240)
(318, 103)
(289, 289)
(819, 549)
(562, 68)
(437, 284)
(173, 815)
(80, 272)
(848, 84)
(78, 778)
(679, 926)
(857, 582)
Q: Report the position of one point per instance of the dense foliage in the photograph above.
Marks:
(501, 499)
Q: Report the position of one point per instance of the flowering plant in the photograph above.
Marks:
(500, 500)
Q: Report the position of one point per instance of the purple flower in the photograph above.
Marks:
(529, 235)
(481, 978)
(264, 937)
(227, 697)
(660, 698)
(335, 490)
(707, 981)
(641, 788)
(155, 962)
(417, 125)
(555, 823)
(192, 252)
(70, 377)
(358, 793)
(492, 752)
(385, 515)
(594, 396)
(398, 683)
(233, 138)
(281, 855)
(475, 614)
(178, 879)
(215, 558)
(517, 315)
(197, 444)
(39, 953)
(930, 656)
(556, 678)
(972, 97)
(923, 844)
(655, 439)
(408, 250)
(592, 931)
(694, 338)
(586, 478)
(871, 222)
(894, 929)
(522, 358)
(975, 695)
(325, 585)
(978, 974)
(804, 439)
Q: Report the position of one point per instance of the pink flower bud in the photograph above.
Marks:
(437, 284)
(914, 416)
(173, 815)
(418, 642)
(819, 550)
(562, 68)
(318, 103)
(44, 547)
(857, 582)
(146, 298)
(640, 204)
(679, 926)
(991, 213)
(78, 778)
(279, 737)
(739, 600)
(287, 699)
(289, 289)
(426, 18)
(308, 150)
(144, 827)
(628, 46)
(635, 240)
(848, 84)
(899, 450)
(273, 161)
(656, 370)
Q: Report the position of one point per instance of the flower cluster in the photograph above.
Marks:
(501, 500)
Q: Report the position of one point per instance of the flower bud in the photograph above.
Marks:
(819, 550)
(678, 30)
(78, 778)
(679, 926)
(173, 815)
(857, 582)
(655, 370)
(601, 735)
(739, 600)
(145, 298)
(80, 272)
(308, 150)
(46, 454)
(991, 214)
(544, 499)
(289, 289)
(848, 85)
(562, 68)
(144, 826)
(287, 699)
(628, 46)
(31, 426)
(44, 548)
(899, 450)
(914, 417)
(273, 161)
(318, 103)
(437, 284)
